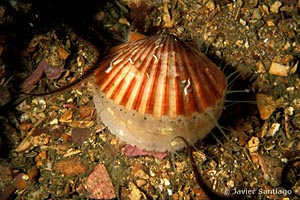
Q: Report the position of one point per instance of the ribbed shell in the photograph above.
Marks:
(161, 76)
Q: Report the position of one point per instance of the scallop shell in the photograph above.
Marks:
(151, 90)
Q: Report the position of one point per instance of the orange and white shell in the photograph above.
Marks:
(150, 90)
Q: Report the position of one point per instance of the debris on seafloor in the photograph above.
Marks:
(70, 166)
(135, 192)
(52, 63)
(99, 185)
(282, 70)
(35, 76)
(266, 105)
(36, 137)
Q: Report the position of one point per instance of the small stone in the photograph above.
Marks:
(25, 177)
(99, 185)
(141, 174)
(296, 186)
(266, 105)
(296, 103)
(260, 67)
(230, 183)
(265, 9)
(253, 144)
(279, 69)
(290, 89)
(165, 181)
(273, 130)
(40, 140)
(256, 14)
(141, 182)
(86, 113)
(275, 7)
(25, 126)
(170, 192)
(79, 135)
(243, 22)
(180, 30)
(40, 158)
(53, 122)
(114, 141)
(39, 104)
(200, 156)
(63, 54)
(135, 193)
(70, 166)
(20, 182)
(66, 116)
(270, 23)
(211, 5)
(247, 45)
(290, 111)
(124, 21)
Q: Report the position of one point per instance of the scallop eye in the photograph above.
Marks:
(168, 87)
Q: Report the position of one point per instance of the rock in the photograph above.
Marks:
(70, 166)
(275, 7)
(99, 185)
(266, 105)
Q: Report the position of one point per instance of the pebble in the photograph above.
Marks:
(70, 166)
(141, 182)
(256, 14)
(275, 7)
(135, 192)
(279, 69)
(141, 174)
(25, 126)
(266, 105)
(66, 116)
(99, 185)
(20, 182)
(253, 144)
(273, 130)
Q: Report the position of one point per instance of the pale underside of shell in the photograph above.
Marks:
(151, 90)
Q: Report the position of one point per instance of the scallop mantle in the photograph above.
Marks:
(150, 90)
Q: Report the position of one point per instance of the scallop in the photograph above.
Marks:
(151, 90)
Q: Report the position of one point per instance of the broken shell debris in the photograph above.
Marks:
(98, 184)
(282, 70)
(149, 91)
(266, 105)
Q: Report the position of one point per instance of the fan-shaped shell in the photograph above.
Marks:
(151, 90)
